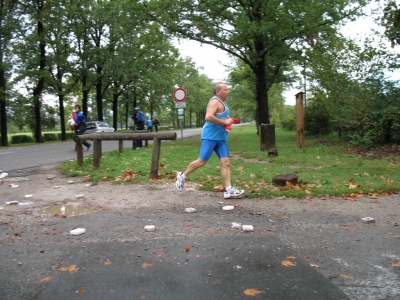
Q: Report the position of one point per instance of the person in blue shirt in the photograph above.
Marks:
(80, 124)
(213, 139)
(149, 125)
(139, 122)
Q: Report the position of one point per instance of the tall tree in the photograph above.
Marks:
(261, 33)
(8, 22)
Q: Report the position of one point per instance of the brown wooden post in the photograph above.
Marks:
(267, 137)
(134, 144)
(155, 159)
(96, 153)
(121, 146)
(146, 143)
(79, 152)
(300, 119)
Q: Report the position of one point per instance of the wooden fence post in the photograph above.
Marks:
(79, 152)
(155, 159)
(121, 146)
(96, 153)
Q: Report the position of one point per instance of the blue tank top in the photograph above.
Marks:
(213, 131)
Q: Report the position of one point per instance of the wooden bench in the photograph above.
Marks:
(157, 137)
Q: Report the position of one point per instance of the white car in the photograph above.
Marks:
(98, 126)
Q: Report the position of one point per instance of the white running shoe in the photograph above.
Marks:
(180, 181)
(233, 192)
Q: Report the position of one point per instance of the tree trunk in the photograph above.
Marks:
(115, 111)
(99, 96)
(37, 92)
(85, 95)
(3, 105)
(267, 137)
(61, 104)
(261, 91)
(62, 116)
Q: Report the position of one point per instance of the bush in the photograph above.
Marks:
(68, 135)
(50, 137)
(21, 139)
(288, 123)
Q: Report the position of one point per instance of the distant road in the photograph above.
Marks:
(17, 158)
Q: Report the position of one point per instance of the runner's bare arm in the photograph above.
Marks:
(212, 109)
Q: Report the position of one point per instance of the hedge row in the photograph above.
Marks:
(23, 138)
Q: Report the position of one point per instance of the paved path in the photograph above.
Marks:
(16, 158)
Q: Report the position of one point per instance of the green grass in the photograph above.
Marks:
(322, 168)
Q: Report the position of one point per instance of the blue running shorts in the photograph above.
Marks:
(208, 146)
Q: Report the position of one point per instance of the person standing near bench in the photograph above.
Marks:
(80, 124)
(149, 125)
(213, 138)
(156, 123)
(139, 122)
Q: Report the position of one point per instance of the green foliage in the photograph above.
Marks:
(288, 119)
(50, 137)
(323, 167)
(21, 139)
(317, 118)
(391, 21)
(69, 136)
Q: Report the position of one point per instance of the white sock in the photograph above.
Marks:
(183, 175)
(227, 188)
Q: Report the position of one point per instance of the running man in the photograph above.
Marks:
(213, 138)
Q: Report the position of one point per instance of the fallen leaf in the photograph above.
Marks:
(81, 290)
(291, 257)
(107, 263)
(346, 276)
(253, 292)
(353, 186)
(146, 265)
(142, 297)
(315, 266)
(72, 268)
(46, 279)
(159, 252)
(395, 264)
(186, 249)
(288, 263)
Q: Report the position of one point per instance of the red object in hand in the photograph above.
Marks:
(235, 121)
(228, 128)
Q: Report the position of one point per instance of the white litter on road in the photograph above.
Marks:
(228, 207)
(150, 228)
(368, 220)
(12, 202)
(247, 228)
(190, 210)
(77, 231)
(28, 196)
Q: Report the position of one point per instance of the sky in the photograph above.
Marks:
(212, 60)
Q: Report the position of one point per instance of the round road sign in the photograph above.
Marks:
(180, 95)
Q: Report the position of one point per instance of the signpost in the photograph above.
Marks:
(180, 104)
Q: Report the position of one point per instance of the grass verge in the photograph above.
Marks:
(324, 168)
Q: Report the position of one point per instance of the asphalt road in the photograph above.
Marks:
(17, 158)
